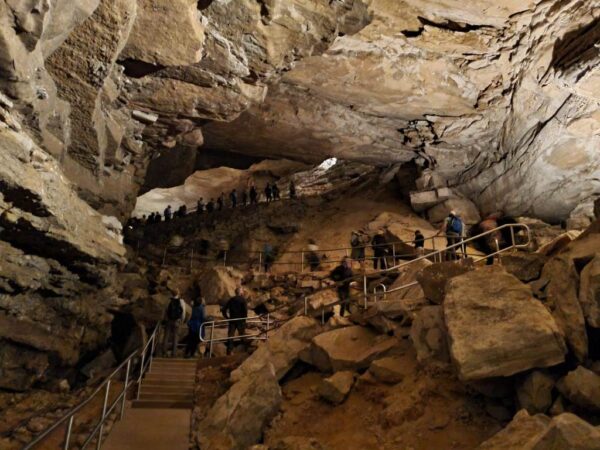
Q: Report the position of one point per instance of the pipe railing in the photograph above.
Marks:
(262, 334)
(107, 409)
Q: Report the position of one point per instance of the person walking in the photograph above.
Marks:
(168, 213)
(233, 198)
(292, 189)
(268, 193)
(210, 206)
(236, 311)
(221, 201)
(195, 327)
(358, 249)
(276, 192)
(268, 257)
(200, 206)
(453, 229)
(342, 275)
(244, 198)
(174, 316)
(314, 262)
(380, 250)
(419, 243)
(253, 195)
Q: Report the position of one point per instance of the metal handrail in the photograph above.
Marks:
(106, 409)
(217, 323)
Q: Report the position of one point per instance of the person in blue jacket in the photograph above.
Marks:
(194, 327)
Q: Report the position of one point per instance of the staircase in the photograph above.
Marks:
(169, 384)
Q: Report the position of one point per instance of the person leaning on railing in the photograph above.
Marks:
(236, 311)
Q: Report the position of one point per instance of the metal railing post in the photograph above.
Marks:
(305, 305)
(125, 389)
(164, 256)
(498, 250)
(139, 386)
(512, 237)
(103, 418)
(302, 261)
(366, 295)
(433, 244)
(224, 258)
(267, 331)
(260, 264)
(212, 335)
(68, 433)
(192, 260)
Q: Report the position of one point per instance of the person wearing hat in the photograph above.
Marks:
(380, 250)
(453, 229)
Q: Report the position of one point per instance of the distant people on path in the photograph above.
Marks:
(253, 195)
(380, 251)
(210, 206)
(342, 275)
(174, 316)
(268, 257)
(182, 211)
(168, 213)
(276, 192)
(496, 240)
(268, 193)
(453, 228)
(244, 198)
(292, 189)
(419, 243)
(200, 206)
(195, 326)
(313, 259)
(236, 310)
(233, 198)
(221, 201)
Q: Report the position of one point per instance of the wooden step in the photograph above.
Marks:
(160, 404)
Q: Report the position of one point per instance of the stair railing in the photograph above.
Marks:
(264, 322)
(107, 409)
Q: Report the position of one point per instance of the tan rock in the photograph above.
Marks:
(589, 291)
(582, 387)
(336, 388)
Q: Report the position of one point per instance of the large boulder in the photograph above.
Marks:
(496, 327)
(582, 387)
(534, 392)
(539, 432)
(562, 299)
(219, 284)
(281, 350)
(525, 266)
(390, 369)
(408, 275)
(433, 279)
(336, 388)
(589, 292)
(238, 418)
(429, 336)
(348, 348)
(465, 209)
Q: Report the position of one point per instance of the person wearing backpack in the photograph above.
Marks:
(453, 229)
(174, 316)
(342, 275)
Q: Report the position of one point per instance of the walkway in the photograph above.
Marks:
(156, 429)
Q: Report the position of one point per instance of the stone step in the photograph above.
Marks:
(173, 373)
(167, 397)
(159, 404)
(167, 382)
(167, 388)
(186, 361)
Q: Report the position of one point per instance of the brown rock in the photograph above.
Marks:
(389, 369)
(582, 387)
(535, 392)
(433, 279)
(589, 291)
(525, 266)
(336, 388)
(429, 336)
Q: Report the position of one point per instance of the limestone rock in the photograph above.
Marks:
(238, 418)
(336, 388)
(281, 350)
(562, 298)
(408, 275)
(433, 279)
(389, 370)
(518, 434)
(589, 291)
(568, 431)
(348, 348)
(535, 392)
(582, 387)
(525, 266)
(219, 283)
(496, 327)
(429, 336)
(97, 367)
(464, 208)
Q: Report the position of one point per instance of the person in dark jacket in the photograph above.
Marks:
(236, 310)
(200, 206)
(168, 213)
(244, 198)
(419, 243)
(342, 275)
(276, 192)
(269, 193)
(210, 206)
(195, 327)
(221, 201)
(253, 195)
(380, 250)
(233, 198)
(292, 189)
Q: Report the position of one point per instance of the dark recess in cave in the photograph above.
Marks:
(577, 47)
(138, 69)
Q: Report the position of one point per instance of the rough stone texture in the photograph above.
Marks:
(408, 275)
(534, 392)
(464, 208)
(582, 387)
(497, 328)
(525, 266)
(336, 388)
(429, 336)
(389, 370)
(219, 284)
(493, 93)
(238, 418)
(348, 348)
(434, 279)
(562, 299)
(281, 350)
(589, 292)
(519, 433)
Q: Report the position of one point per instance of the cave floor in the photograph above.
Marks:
(157, 429)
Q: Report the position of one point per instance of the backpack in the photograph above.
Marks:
(455, 225)
(174, 310)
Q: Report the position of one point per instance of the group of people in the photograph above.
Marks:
(235, 310)
(247, 197)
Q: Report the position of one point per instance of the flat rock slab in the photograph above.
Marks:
(582, 387)
(496, 327)
(336, 388)
(349, 348)
(390, 369)
(434, 279)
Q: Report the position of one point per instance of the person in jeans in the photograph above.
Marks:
(174, 316)
(453, 229)
(236, 310)
(342, 275)
(194, 327)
